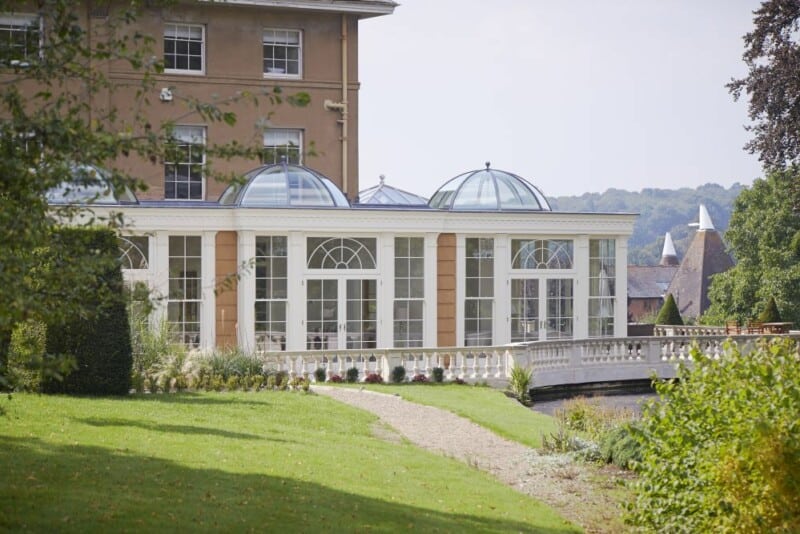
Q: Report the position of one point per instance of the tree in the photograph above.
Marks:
(669, 313)
(763, 225)
(770, 313)
(55, 122)
(772, 55)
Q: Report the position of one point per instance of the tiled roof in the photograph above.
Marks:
(649, 281)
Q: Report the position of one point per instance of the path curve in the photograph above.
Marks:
(552, 479)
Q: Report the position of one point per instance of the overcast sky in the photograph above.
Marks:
(575, 96)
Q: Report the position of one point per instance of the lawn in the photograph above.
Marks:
(486, 406)
(236, 462)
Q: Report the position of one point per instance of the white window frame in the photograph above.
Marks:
(407, 341)
(24, 20)
(186, 135)
(272, 138)
(274, 72)
(179, 298)
(175, 37)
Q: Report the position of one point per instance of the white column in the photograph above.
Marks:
(385, 296)
(581, 288)
(431, 306)
(159, 272)
(296, 292)
(502, 290)
(621, 298)
(246, 293)
(208, 309)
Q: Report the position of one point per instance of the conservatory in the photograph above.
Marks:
(282, 261)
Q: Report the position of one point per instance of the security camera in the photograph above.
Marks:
(166, 95)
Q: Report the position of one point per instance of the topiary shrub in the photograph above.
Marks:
(398, 374)
(770, 313)
(320, 374)
(98, 338)
(721, 446)
(26, 355)
(438, 374)
(352, 375)
(669, 313)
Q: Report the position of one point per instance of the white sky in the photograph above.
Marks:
(575, 96)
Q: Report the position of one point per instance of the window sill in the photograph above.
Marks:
(186, 72)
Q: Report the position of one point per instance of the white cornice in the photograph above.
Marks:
(365, 8)
(196, 219)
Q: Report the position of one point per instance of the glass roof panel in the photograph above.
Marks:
(489, 189)
(477, 193)
(89, 185)
(281, 185)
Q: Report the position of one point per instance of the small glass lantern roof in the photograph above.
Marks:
(386, 195)
(89, 184)
(489, 190)
(281, 185)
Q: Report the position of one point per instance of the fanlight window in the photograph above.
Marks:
(134, 252)
(541, 254)
(341, 252)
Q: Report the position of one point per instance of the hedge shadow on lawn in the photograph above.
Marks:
(79, 488)
(188, 397)
(177, 429)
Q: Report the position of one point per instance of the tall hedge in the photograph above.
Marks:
(669, 313)
(84, 266)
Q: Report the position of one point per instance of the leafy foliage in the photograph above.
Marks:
(320, 374)
(762, 228)
(619, 447)
(352, 375)
(519, 383)
(721, 448)
(99, 338)
(660, 211)
(772, 55)
(669, 313)
(26, 356)
(57, 117)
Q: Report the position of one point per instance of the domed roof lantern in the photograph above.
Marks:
(281, 185)
(489, 190)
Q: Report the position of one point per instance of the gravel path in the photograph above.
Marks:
(569, 487)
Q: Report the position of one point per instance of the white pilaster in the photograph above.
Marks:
(385, 311)
(502, 290)
(431, 305)
(621, 299)
(296, 292)
(581, 289)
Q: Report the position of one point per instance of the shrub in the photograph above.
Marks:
(619, 447)
(336, 379)
(589, 416)
(419, 378)
(319, 374)
(438, 374)
(272, 381)
(519, 383)
(26, 355)
(459, 381)
(398, 374)
(374, 378)
(721, 448)
(669, 313)
(100, 340)
(352, 375)
(770, 313)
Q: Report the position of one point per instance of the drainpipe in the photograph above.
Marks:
(342, 105)
(345, 83)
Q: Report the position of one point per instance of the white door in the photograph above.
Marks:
(541, 308)
(341, 313)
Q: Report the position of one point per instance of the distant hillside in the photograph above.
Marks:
(660, 211)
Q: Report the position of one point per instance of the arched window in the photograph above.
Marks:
(134, 252)
(341, 252)
(541, 254)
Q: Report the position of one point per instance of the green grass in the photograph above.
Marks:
(236, 462)
(485, 406)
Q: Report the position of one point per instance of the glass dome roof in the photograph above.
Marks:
(280, 186)
(89, 185)
(387, 195)
(489, 190)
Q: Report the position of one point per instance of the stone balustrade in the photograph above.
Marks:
(552, 362)
(688, 330)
